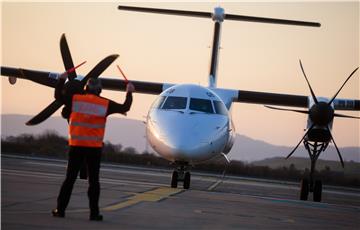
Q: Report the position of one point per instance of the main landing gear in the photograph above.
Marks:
(181, 173)
(309, 185)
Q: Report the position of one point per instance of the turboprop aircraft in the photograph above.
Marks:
(188, 123)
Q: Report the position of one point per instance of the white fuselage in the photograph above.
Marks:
(189, 123)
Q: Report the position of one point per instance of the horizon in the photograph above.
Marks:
(257, 57)
(134, 119)
(245, 148)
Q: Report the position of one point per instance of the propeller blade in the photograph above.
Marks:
(99, 68)
(270, 20)
(166, 11)
(45, 113)
(290, 110)
(337, 149)
(333, 98)
(66, 56)
(227, 16)
(312, 92)
(345, 116)
(291, 153)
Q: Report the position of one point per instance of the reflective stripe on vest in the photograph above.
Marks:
(86, 138)
(89, 108)
(87, 125)
(87, 120)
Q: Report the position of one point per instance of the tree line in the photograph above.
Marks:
(51, 144)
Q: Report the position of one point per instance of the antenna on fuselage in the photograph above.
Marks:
(218, 16)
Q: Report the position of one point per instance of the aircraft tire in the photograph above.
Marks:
(174, 179)
(317, 191)
(187, 180)
(304, 189)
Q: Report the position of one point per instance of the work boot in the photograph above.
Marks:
(57, 213)
(97, 217)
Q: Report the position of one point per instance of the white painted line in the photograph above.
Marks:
(212, 187)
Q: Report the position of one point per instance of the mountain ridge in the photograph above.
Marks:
(118, 132)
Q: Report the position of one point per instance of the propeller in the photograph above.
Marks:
(291, 153)
(291, 110)
(332, 99)
(66, 57)
(226, 16)
(54, 106)
(72, 86)
(311, 90)
(337, 149)
(320, 114)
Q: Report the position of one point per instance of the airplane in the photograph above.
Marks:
(187, 123)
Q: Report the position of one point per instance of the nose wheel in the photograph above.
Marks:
(182, 173)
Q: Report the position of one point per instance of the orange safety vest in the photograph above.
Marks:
(87, 120)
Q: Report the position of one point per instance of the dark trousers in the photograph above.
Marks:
(77, 156)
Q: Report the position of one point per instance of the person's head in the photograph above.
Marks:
(93, 86)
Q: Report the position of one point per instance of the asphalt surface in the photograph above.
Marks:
(140, 198)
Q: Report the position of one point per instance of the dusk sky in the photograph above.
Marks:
(172, 49)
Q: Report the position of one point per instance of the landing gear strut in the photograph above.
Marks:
(181, 173)
(306, 186)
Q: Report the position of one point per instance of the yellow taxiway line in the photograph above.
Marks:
(149, 196)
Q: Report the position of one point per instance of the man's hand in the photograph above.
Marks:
(130, 87)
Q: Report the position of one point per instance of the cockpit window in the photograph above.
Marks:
(158, 102)
(220, 108)
(202, 105)
(175, 103)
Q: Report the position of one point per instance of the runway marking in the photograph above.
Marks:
(61, 176)
(64, 165)
(29, 173)
(150, 196)
(310, 204)
(213, 186)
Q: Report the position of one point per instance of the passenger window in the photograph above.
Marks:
(158, 102)
(220, 108)
(202, 105)
(175, 103)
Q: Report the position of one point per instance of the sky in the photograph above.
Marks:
(172, 49)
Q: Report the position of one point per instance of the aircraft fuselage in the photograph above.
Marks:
(189, 123)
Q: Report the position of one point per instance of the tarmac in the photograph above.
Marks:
(141, 198)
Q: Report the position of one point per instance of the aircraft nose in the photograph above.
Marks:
(188, 138)
(186, 144)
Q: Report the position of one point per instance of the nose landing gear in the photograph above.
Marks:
(181, 173)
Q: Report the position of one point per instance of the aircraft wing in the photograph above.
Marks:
(50, 79)
(290, 100)
(254, 97)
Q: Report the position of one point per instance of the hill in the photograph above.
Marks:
(131, 133)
